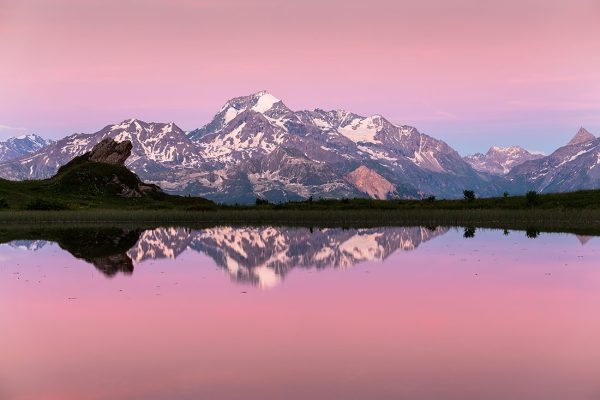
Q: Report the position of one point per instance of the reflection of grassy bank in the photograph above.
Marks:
(574, 221)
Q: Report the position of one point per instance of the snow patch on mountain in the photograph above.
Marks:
(362, 129)
(264, 102)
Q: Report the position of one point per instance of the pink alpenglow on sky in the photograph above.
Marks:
(473, 73)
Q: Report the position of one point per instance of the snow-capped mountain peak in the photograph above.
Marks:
(22, 145)
(264, 101)
(261, 102)
(500, 160)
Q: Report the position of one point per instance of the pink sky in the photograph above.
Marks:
(473, 73)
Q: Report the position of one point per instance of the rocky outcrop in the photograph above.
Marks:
(110, 151)
(118, 179)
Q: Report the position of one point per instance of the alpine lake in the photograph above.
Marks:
(276, 312)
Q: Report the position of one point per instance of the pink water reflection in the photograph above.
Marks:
(491, 317)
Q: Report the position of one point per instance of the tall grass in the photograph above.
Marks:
(570, 220)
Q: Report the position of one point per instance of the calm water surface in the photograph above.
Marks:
(288, 313)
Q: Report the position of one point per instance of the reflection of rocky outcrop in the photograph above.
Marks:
(105, 248)
(263, 255)
(111, 265)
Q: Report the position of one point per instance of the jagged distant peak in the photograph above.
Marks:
(512, 150)
(500, 160)
(506, 150)
(29, 137)
(134, 124)
(582, 136)
(260, 102)
(132, 121)
(344, 117)
(127, 123)
(343, 114)
(22, 145)
(264, 93)
(332, 118)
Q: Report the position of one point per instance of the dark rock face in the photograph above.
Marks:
(111, 152)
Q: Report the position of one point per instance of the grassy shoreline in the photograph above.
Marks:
(586, 221)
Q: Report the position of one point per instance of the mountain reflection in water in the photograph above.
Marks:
(498, 314)
(257, 255)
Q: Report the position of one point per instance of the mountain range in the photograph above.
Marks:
(20, 146)
(256, 147)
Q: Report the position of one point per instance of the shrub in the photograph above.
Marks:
(532, 198)
(532, 233)
(261, 202)
(505, 194)
(469, 232)
(430, 199)
(3, 203)
(44, 205)
(469, 195)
